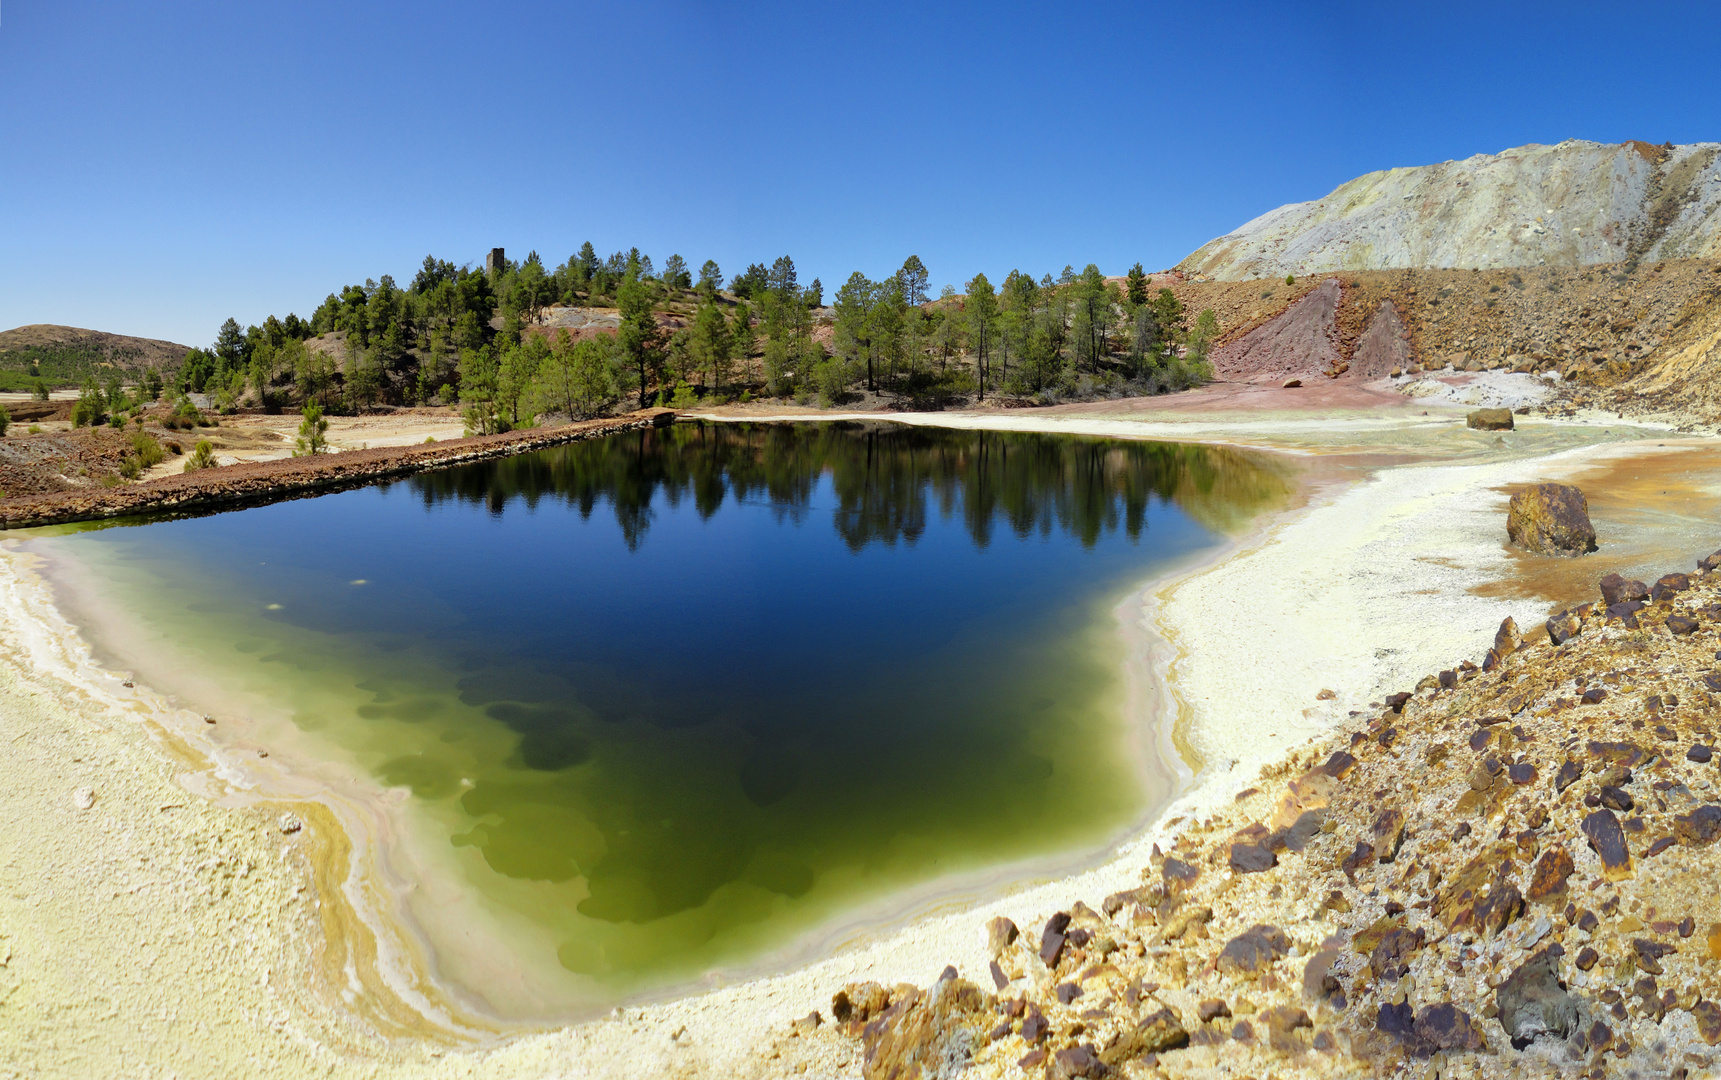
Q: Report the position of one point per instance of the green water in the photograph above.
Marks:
(668, 702)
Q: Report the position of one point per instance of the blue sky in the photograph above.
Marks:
(165, 165)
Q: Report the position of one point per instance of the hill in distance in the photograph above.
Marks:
(66, 355)
(1575, 204)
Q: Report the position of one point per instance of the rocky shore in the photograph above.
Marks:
(259, 482)
(1505, 870)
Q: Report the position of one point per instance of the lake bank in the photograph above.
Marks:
(724, 1030)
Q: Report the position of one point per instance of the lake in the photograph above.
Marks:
(663, 707)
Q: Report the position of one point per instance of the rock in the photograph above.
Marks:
(1533, 1003)
(1548, 882)
(1708, 1017)
(1507, 639)
(1212, 1008)
(1700, 754)
(289, 824)
(1339, 765)
(1563, 627)
(1668, 585)
(1252, 858)
(1254, 951)
(1178, 876)
(1363, 856)
(1607, 840)
(1700, 826)
(1681, 625)
(1068, 992)
(1447, 1027)
(1052, 938)
(1325, 695)
(1615, 799)
(1398, 1020)
(1567, 776)
(857, 1003)
(1392, 956)
(807, 1024)
(1502, 905)
(1388, 831)
(1490, 420)
(1081, 1060)
(1292, 384)
(1001, 933)
(1282, 1023)
(1521, 772)
(1188, 917)
(1587, 958)
(1154, 1034)
(1551, 519)
(999, 979)
(1034, 1026)
(1616, 589)
(83, 798)
(927, 1033)
(1647, 954)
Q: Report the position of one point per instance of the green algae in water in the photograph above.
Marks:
(672, 699)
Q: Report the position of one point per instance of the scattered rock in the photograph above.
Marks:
(1154, 1034)
(1700, 754)
(1548, 882)
(1680, 625)
(1700, 826)
(1490, 420)
(927, 1033)
(1081, 1060)
(1052, 938)
(1551, 519)
(1447, 1027)
(808, 1024)
(1283, 1022)
(1252, 952)
(1533, 1003)
(1388, 830)
(1708, 1017)
(1001, 933)
(289, 823)
(1292, 384)
(1607, 840)
(1615, 799)
(1178, 876)
(1252, 858)
(1669, 585)
(83, 798)
(1616, 589)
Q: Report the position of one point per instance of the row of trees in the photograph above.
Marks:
(438, 340)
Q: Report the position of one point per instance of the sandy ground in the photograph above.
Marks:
(258, 437)
(147, 930)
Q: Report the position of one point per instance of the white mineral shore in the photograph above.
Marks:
(147, 930)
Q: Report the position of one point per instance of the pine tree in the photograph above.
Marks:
(1137, 286)
(915, 280)
(982, 321)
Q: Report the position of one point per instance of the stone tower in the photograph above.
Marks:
(495, 262)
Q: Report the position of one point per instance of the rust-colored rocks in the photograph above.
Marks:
(1533, 1002)
(1708, 1017)
(1607, 840)
(1251, 953)
(1153, 1034)
(925, 1033)
(1178, 876)
(1616, 590)
(1052, 938)
(1568, 775)
(1615, 798)
(1647, 955)
(1700, 754)
(1681, 625)
(1252, 858)
(1669, 585)
(1700, 826)
(1481, 894)
(1489, 420)
(1563, 627)
(1391, 957)
(1548, 880)
(1001, 933)
(1551, 519)
(1508, 639)
(1446, 1027)
(1388, 832)
(857, 1003)
(1284, 1023)
(1076, 1061)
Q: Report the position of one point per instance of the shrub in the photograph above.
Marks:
(684, 397)
(35, 429)
(1290, 279)
(5, 420)
(202, 457)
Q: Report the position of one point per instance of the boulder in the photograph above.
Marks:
(1157, 1032)
(1551, 519)
(1616, 589)
(927, 1032)
(1607, 839)
(1490, 420)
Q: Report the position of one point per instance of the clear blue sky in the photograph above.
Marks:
(165, 165)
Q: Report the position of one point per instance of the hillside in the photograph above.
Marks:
(1575, 204)
(64, 355)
